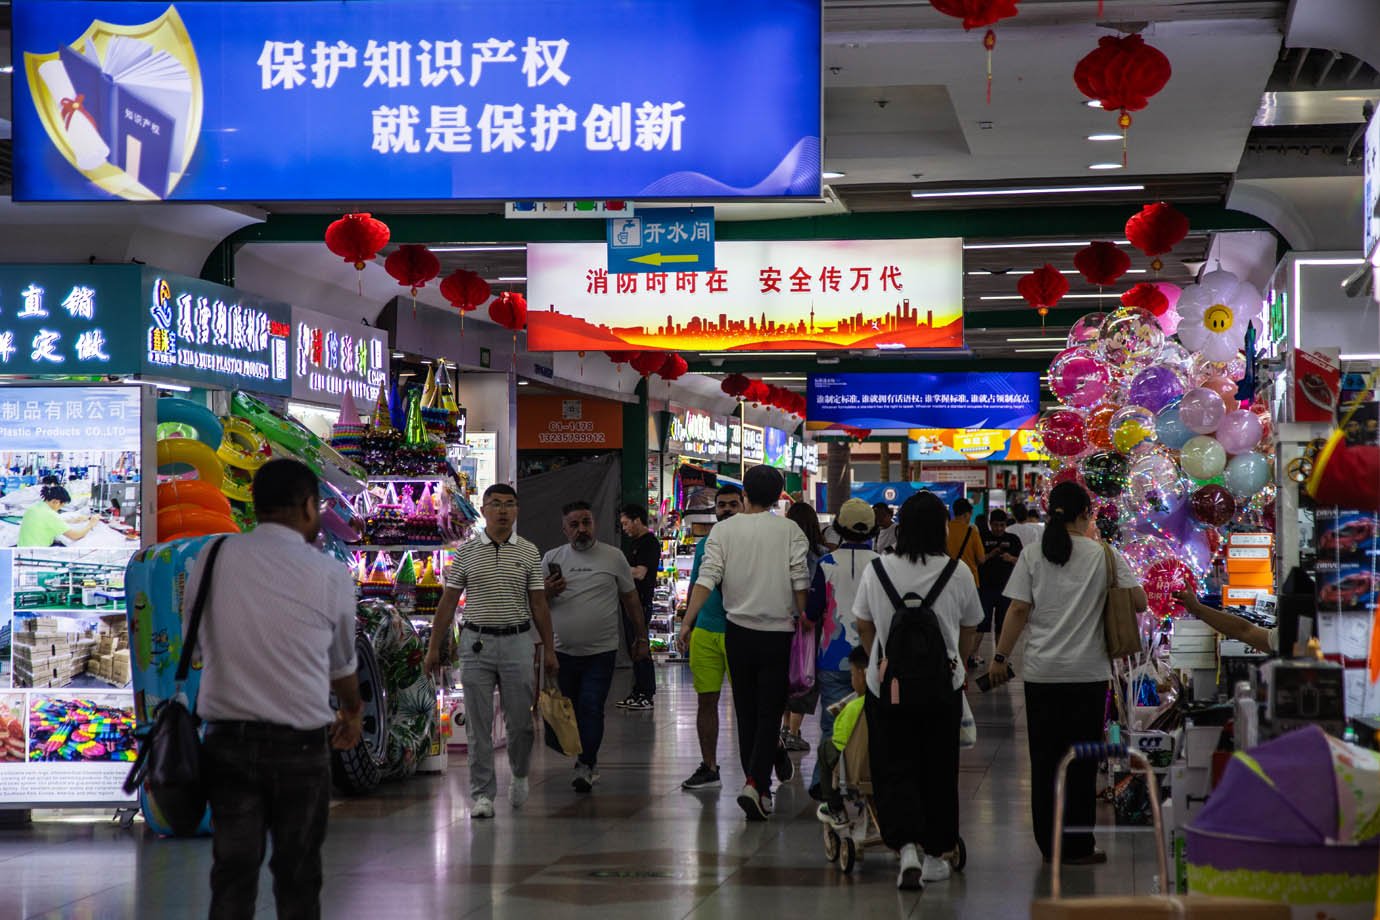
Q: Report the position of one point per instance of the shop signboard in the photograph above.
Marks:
(776, 449)
(747, 442)
(212, 335)
(657, 238)
(698, 434)
(793, 295)
(317, 100)
(332, 357)
(903, 401)
(569, 423)
(68, 319)
(935, 444)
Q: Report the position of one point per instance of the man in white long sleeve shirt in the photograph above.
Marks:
(757, 560)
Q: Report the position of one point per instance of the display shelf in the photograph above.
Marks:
(431, 478)
(397, 547)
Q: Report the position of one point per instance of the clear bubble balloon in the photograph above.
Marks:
(1203, 458)
(1079, 378)
(1246, 475)
(1201, 410)
(1105, 473)
(1225, 388)
(1170, 429)
(1098, 425)
(1087, 330)
(1063, 432)
(1240, 431)
(1131, 338)
(1155, 484)
(1213, 505)
(1132, 429)
(1174, 355)
(1154, 387)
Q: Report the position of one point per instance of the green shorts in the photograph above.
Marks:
(708, 662)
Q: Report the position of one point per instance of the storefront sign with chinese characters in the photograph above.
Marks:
(70, 418)
(890, 402)
(332, 357)
(68, 319)
(215, 336)
(755, 440)
(698, 434)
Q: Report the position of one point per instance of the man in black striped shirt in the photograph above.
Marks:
(500, 576)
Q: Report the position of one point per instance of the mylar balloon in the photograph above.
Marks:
(1132, 427)
(1063, 432)
(1201, 410)
(1246, 475)
(1203, 458)
(1163, 580)
(1106, 473)
(1154, 388)
(1212, 505)
(1078, 378)
(1215, 314)
(1240, 431)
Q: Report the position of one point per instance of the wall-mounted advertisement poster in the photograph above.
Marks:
(815, 295)
(900, 402)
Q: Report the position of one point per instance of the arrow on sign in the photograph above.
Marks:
(656, 258)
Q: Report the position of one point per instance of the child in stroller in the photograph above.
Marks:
(846, 719)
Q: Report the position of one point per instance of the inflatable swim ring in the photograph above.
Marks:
(191, 453)
(193, 492)
(192, 520)
(242, 446)
(298, 442)
(194, 415)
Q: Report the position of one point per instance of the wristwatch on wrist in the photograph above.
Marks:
(999, 658)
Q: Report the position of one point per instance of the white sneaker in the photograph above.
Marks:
(483, 807)
(585, 778)
(767, 803)
(519, 791)
(911, 877)
(936, 869)
(751, 803)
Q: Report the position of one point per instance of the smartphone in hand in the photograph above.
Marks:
(984, 683)
(553, 569)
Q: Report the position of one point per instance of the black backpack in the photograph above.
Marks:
(916, 670)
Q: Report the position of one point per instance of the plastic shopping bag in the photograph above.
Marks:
(967, 726)
(562, 732)
(802, 674)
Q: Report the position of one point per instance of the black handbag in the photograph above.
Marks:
(169, 763)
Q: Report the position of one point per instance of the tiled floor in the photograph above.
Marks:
(639, 847)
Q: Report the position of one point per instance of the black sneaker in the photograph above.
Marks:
(704, 777)
(627, 701)
(785, 767)
(637, 702)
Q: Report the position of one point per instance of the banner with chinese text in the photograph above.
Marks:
(872, 402)
(762, 296)
(958, 444)
(215, 100)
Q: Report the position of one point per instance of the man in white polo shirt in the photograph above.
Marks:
(277, 638)
(499, 573)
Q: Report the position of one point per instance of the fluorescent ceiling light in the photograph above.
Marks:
(1359, 357)
(1066, 296)
(784, 378)
(832, 175)
(1036, 351)
(6, 68)
(487, 248)
(512, 277)
(1048, 190)
(1043, 338)
(1107, 166)
(398, 354)
(1039, 244)
(1062, 271)
(1093, 104)
(758, 354)
(523, 383)
(1104, 137)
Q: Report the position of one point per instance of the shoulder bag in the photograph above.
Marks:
(168, 766)
(1119, 620)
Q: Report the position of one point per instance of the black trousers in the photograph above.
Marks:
(266, 782)
(644, 672)
(1057, 717)
(913, 756)
(994, 605)
(760, 664)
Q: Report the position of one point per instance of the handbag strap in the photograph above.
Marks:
(203, 590)
(967, 535)
(1111, 568)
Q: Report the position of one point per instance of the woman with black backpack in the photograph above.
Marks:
(918, 611)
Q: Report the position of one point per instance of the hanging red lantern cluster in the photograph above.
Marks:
(1156, 229)
(673, 368)
(412, 266)
(1122, 73)
(620, 357)
(734, 385)
(647, 363)
(465, 290)
(761, 393)
(357, 238)
(1101, 262)
(1043, 288)
(1148, 297)
(977, 14)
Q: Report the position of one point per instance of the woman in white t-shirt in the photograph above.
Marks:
(914, 755)
(1057, 593)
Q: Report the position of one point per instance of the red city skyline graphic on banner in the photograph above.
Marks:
(761, 296)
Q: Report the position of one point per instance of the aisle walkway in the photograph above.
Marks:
(638, 847)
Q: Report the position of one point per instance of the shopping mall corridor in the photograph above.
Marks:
(638, 847)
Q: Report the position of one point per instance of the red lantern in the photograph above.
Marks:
(977, 14)
(734, 385)
(1122, 73)
(673, 368)
(1043, 288)
(412, 266)
(1156, 229)
(509, 311)
(647, 363)
(620, 357)
(465, 290)
(1102, 263)
(757, 392)
(357, 238)
(1148, 297)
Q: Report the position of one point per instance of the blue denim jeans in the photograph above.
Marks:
(585, 680)
(833, 686)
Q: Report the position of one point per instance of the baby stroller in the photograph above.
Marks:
(855, 784)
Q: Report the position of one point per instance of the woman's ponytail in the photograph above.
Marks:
(1068, 501)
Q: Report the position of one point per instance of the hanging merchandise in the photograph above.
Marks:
(1122, 73)
(1043, 288)
(977, 14)
(357, 238)
(1101, 263)
(1156, 229)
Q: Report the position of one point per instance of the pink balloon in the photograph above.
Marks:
(1226, 388)
(1169, 321)
(1240, 431)
(1170, 291)
(1201, 410)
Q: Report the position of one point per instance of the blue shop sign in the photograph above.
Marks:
(905, 401)
(213, 100)
(662, 239)
(58, 320)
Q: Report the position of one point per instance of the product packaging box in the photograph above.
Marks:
(1346, 586)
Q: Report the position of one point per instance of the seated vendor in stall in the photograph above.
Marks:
(1233, 627)
(42, 525)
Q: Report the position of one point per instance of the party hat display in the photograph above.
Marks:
(414, 432)
(347, 433)
(429, 388)
(383, 418)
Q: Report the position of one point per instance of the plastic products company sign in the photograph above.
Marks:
(332, 357)
(70, 418)
(906, 401)
(216, 100)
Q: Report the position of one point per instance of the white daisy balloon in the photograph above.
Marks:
(1215, 314)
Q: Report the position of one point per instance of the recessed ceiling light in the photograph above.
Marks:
(522, 383)
(1044, 190)
(832, 175)
(1037, 351)
(1093, 104)
(6, 68)
(486, 248)
(1106, 166)
(1044, 338)
(1104, 137)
